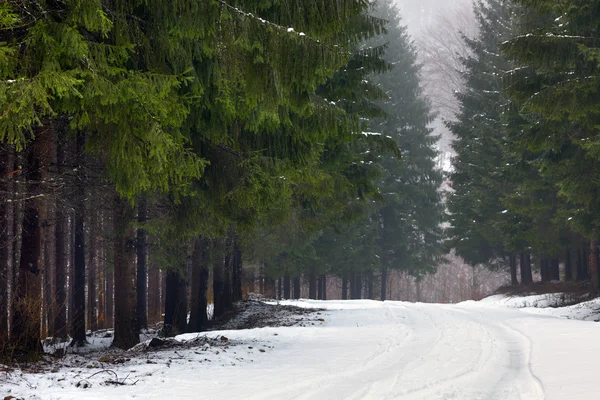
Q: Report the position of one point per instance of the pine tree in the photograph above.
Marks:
(485, 228)
(556, 92)
(412, 215)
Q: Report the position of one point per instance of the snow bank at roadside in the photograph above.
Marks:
(585, 311)
(558, 305)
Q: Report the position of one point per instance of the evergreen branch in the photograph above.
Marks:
(283, 29)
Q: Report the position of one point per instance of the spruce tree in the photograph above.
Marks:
(555, 90)
(412, 216)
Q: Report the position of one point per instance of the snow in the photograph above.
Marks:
(498, 348)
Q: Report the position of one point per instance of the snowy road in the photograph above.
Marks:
(373, 350)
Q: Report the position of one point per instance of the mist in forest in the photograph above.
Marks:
(436, 27)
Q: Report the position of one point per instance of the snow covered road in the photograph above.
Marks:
(373, 350)
(393, 350)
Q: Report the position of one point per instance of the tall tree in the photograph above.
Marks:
(141, 275)
(78, 295)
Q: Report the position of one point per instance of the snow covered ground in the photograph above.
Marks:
(493, 349)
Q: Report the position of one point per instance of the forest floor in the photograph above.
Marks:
(503, 347)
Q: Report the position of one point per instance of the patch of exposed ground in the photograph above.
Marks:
(258, 314)
(564, 293)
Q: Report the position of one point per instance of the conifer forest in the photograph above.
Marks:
(158, 157)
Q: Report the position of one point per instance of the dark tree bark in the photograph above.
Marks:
(279, 293)
(344, 288)
(383, 294)
(582, 263)
(594, 273)
(109, 273)
(312, 286)
(5, 248)
(200, 270)
(370, 288)
(78, 295)
(60, 252)
(525, 264)
(182, 303)
(544, 270)
(356, 293)
(296, 287)
(228, 276)
(17, 227)
(154, 314)
(101, 287)
(554, 269)
(218, 280)
(286, 287)
(237, 270)
(60, 275)
(418, 290)
(568, 265)
(320, 288)
(261, 279)
(141, 256)
(171, 302)
(324, 280)
(49, 247)
(26, 317)
(92, 270)
(125, 335)
(513, 270)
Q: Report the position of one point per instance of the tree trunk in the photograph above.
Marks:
(568, 265)
(25, 327)
(17, 227)
(48, 288)
(324, 279)
(513, 270)
(344, 288)
(554, 269)
(125, 335)
(594, 273)
(320, 288)
(60, 274)
(543, 270)
(100, 289)
(141, 256)
(5, 168)
(110, 294)
(154, 287)
(356, 293)
(582, 263)
(261, 285)
(60, 252)
(525, 265)
(279, 289)
(228, 275)
(182, 303)
(384, 277)
(296, 287)
(78, 295)
(418, 290)
(198, 318)
(92, 293)
(312, 286)
(237, 270)
(286, 287)
(218, 279)
(171, 302)
(370, 287)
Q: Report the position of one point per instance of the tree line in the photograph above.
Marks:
(524, 188)
(154, 152)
